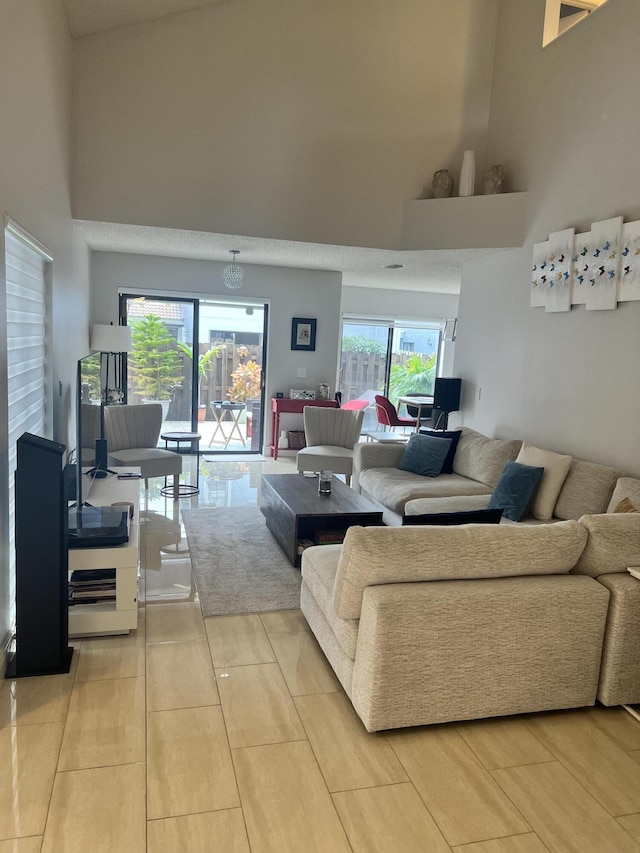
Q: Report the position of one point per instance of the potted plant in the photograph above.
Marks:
(154, 362)
(246, 382)
(205, 366)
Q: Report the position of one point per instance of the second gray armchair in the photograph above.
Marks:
(331, 435)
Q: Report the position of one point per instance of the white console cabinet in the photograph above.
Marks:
(110, 617)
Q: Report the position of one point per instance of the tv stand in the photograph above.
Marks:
(110, 617)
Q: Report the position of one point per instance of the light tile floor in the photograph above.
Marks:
(231, 734)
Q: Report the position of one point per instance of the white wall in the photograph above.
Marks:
(290, 293)
(35, 146)
(404, 304)
(290, 119)
(35, 69)
(566, 121)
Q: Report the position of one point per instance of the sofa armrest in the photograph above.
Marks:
(374, 454)
(381, 555)
(613, 543)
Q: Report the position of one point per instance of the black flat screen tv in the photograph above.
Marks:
(89, 423)
(91, 526)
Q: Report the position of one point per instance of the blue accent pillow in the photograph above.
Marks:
(454, 435)
(516, 489)
(425, 455)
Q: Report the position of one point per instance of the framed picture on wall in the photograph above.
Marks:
(303, 333)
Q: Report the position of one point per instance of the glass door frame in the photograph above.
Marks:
(194, 300)
(391, 326)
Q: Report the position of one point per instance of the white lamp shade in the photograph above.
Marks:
(111, 338)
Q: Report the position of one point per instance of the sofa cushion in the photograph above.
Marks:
(381, 555)
(319, 566)
(455, 503)
(613, 543)
(394, 488)
(586, 490)
(626, 487)
(516, 490)
(481, 458)
(556, 468)
(454, 436)
(424, 455)
(474, 516)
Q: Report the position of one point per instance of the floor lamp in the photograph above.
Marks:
(111, 342)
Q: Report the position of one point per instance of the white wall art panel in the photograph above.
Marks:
(580, 265)
(558, 290)
(538, 274)
(606, 237)
(630, 263)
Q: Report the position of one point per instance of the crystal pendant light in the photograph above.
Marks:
(233, 273)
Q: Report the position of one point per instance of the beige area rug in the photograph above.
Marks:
(237, 564)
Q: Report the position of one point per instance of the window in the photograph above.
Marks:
(26, 269)
(560, 17)
(387, 357)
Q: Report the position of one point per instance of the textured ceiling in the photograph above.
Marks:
(94, 16)
(426, 271)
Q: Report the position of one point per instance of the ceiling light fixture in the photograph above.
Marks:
(233, 273)
(394, 267)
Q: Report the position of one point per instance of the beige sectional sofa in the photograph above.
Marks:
(428, 624)
(477, 467)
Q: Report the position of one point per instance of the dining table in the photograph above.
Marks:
(420, 403)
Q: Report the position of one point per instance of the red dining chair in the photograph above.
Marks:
(388, 415)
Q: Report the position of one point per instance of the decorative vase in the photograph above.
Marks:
(468, 174)
(283, 441)
(493, 180)
(442, 185)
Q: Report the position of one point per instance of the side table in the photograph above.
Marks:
(219, 410)
(185, 490)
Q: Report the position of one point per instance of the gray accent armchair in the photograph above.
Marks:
(331, 435)
(132, 434)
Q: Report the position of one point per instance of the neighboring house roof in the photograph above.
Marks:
(169, 311)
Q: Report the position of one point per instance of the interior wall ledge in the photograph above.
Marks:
(471, 222)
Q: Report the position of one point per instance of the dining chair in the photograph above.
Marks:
(388, 415)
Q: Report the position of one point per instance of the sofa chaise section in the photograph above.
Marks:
(432, 624)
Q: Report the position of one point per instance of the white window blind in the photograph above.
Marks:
(26, 323)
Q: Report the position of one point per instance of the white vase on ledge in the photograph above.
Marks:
(468, 174)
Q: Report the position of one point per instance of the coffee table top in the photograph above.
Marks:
(300, 493)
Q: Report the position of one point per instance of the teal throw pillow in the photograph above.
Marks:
(425, 455)
(454, 435)
(516, 489)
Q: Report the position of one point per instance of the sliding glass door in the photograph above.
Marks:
(202, 360)
(387, 358)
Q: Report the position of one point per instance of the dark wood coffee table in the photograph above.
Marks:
(293, 510)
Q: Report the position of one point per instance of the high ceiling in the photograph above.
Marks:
(426, 271)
